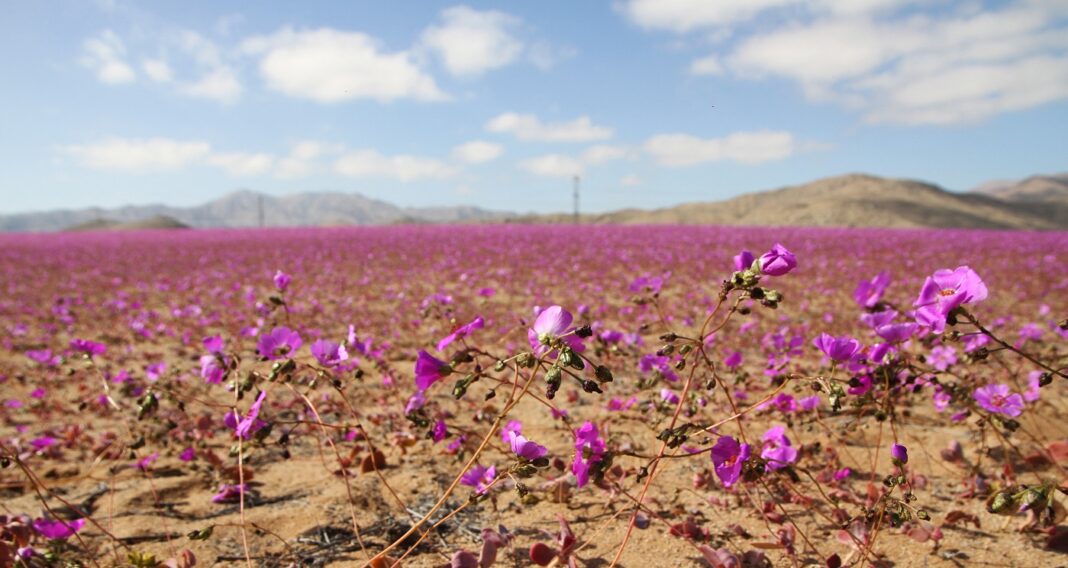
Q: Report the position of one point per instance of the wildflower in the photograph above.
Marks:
(945, 291)
(552, 326)
(144, 463)
(230, 493)
(479, 477)
(998, 399)
(837, 348)
(734, 360)
(669, 396)
(743, 261)
(648, 284)
(280, 342)
(154, 371)
(212, 368)
(461, 332)
(525, 448)
(777, 261)
(90, 348)
(328, 353)
(415, 402)
(876, 320)
(900, 454)
(896, 332)
(942, 357)
(1034, 386)
(440, 431)
(57, 530)
(777, 449)
(728, 456)
(869, 292)
(250, 424)
(429, 370)
(589, 451)
(513, 426)
(214, 344)
(282, 280)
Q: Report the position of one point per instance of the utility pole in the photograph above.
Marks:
(261, 211)
(576, 195)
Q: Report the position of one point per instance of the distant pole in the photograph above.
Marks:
(261, 211)
(576, 200)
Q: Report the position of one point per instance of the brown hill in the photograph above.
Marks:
(854, 200)
(157, 222)
(1032, 189)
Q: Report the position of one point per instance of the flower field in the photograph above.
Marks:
(534, 395)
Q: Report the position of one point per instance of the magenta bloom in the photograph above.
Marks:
(896, 332)
(328, 353)
(57, 530)
(440, 431)
(461, 332)
(145, 463)
(878, 319)
(837, 348)
(214, 344)
(946, 290)
(479, 477)
(899, 453)
(728, 456)
(280, 342)
(90, 348)
(229, 493)
(734, 360)
(869, 292)
(743, 261)
(525, 448)
(669, 396)
(777, 261)
(154, 371)
(942, 357)
(429, 370)
(552, 324)
(999, 400)
(647, 283)
(282, 280)
(212, 369)
(589, 451)
(250, 424)
(777, 449)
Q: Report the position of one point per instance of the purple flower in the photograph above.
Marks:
(250, 424)
(944, 291)
(734, 360)
(57, 530)
(280, 342)
(479, 477)
(461, 332)
(869, 292)
(44, 357)
(942, 357)
(669, 396)
(282, 280)
(998, 399)
(649, 284)
(213, 368)
(214, 344)
(154, 371)
(188, 454)
(229, 493)
(144, 463)
(415, 402)
(876, 320)
(777, 449)
(743, 261)
(513, 426)
(810, 403)
(328, 353)
(90, 348)
(899, 453)
(440, 431)
(552, 325)
(525, 448)
(837, 348)
(589, 451)
(896, 332)
(429, 370)
(777, 261)
(728, 456)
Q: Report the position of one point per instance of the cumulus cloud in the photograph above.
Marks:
(158, 70)
(105, 55)
(744, 147)
(239, 164)
(687, 15)
(303, 159)
(553, 165)
(330, 66)
(528, 127)
(708, 65)
(219, 84)
(139, 155)
(477, 151)
(371, 163)
(471, 42)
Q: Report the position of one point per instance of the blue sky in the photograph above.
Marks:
(653, 102)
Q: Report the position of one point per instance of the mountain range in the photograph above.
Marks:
(852, 200)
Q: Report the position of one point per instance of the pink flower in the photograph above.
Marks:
(743, 261)
(869, 292)
(250, 424)
(328, 353)
(944, 291)
(728, 456)
(998, 399)
(57, 530)
(734, 360)
(229, 493)
(90, 348)
(837, 348)
(525, 448)
(280, 342)
(429, 370)
(461, 332)
(589, 451)
(942, 357)
(777, 449)
(669, 396)
(440, 431)
(777, 261)
(479, 477)
(552, 325)
(282, 280)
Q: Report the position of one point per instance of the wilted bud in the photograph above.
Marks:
(584, 331)
(498, 366)
(1063, 324)
(202, 534)
(591, 387)
(604, 374)
(1045, 379)
(665, 350)
(669, 337)
(1000, 503)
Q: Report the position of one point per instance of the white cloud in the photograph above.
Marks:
(528, 127)
(239, 164)
(553, 165)
(743, 147)
(471, 42)
(687, 15)
(105, 54)
(330, 66)
(630, 180)
(140, 155)
(939, 68)
(158, 70)
(708, 65)
(371, 163)
(219, 84)
(302, 159)
(477, 151)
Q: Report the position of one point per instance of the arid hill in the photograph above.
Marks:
(157, 222)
